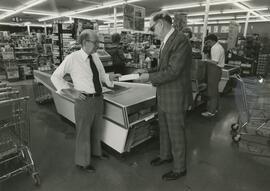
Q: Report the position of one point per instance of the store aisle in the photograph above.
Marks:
(214, 164)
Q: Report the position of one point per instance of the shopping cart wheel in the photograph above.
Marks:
(234, 127)
(236, 138)
(36, 178)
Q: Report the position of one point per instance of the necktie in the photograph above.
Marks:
(96, 81)
(160, 49)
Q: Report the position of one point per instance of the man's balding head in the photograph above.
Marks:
(89, 41)
(87, 34)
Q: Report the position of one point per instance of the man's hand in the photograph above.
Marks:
(144, 77)
(75, 94)
(114, 77)
(139, 71)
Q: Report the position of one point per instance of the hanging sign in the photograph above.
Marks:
(133, 17)
(233, 34)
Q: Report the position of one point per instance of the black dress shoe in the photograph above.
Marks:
(174, 175)
(102, 157)
(88, 168)
(158, 161)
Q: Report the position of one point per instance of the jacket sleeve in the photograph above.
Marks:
(121, 55)
(175, 66)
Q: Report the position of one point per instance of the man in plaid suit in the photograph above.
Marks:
(173, 82)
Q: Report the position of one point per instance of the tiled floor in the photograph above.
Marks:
(214, 163)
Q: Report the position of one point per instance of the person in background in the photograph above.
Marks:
(87, 73)
(214, 71)
(172, 80)
(187, 31)
(117, 54)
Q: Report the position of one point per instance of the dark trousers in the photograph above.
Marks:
(213, 77)
(88, 117)
(173, 138)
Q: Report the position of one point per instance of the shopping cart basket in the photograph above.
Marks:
(41, 93)
(3, 85)
(15, 155)
(252, 101)
(9, 95)
(5, 89)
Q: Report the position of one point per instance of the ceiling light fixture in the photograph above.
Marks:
(226, 22)
(226, 12)
(21, 8)
(5, 10)
(91, 8)
(91, 18)
(39, 13)
(10, 24)
(193, 5)
(247, 8)
(118, 21)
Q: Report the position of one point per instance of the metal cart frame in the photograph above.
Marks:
(252, 113)
(15, 155)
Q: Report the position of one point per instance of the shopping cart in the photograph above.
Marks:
(5, 89)
(252, 130)
(15, 155)
(41, 93)
(9, 95)
(3, 85)
(253, 103)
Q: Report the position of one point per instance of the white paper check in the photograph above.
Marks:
(129, 77)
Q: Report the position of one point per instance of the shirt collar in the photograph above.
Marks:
(84, 55)
(168, 35)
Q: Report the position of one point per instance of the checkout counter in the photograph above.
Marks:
(129, 116)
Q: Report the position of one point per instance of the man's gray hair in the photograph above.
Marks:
(162, 15)
(86, 35)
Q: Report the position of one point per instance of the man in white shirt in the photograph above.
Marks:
(87, 73)
(214, 71)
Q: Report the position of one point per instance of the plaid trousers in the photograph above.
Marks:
(173, 141)
(88, 117)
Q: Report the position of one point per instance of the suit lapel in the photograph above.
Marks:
(166, 47)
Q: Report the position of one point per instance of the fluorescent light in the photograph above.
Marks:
(227, 22)
(110, 16)
(104, 5)
(117, 21)
(10, 24)
(106, 26)
(91, 8)
(49, 18)
(245, 7)
(221, 18)
(5, 10)
(90, 18)
(21, 8)
(193, 5)
(225, 12)
(183, 6)
(39, 13)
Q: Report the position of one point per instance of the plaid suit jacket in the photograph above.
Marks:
(172, 78)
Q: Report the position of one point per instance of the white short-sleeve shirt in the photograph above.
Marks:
(218, 54)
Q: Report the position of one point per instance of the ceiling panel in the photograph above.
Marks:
(59, 6)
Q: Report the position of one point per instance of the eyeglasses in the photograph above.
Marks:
(96, 43)
(152, 28)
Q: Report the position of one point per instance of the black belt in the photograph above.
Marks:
(92, 95)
